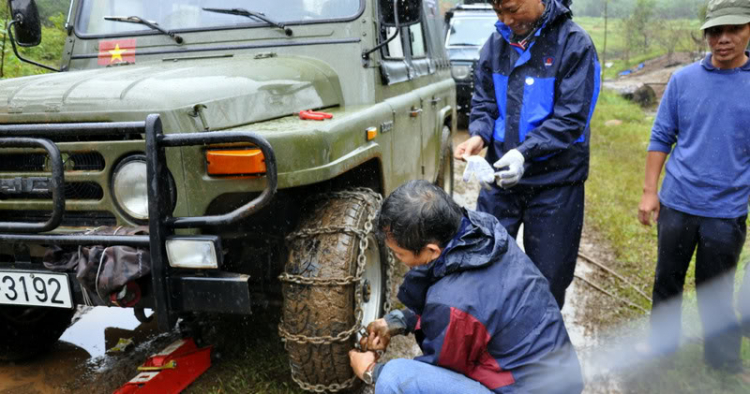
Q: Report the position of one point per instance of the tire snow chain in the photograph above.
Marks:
(372, 201)
(319, 388)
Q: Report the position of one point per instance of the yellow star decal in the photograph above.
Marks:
(116, 53)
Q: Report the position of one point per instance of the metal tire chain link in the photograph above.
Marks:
(372, 201)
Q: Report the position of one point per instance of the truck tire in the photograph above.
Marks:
(445, 171)
(320, 304)
(29, 331)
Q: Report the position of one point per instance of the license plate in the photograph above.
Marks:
(35, 289)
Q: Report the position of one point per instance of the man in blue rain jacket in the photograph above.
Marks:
(481, 312)
(537, 84)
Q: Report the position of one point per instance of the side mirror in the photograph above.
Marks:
(409, 12)
(25, 20)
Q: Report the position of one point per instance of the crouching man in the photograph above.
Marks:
(481, 311)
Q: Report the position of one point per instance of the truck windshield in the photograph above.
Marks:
(189, 14)
(470, 31)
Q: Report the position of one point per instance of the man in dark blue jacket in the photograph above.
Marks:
(482, 312)
(536, 87)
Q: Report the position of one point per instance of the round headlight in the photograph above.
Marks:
(460, 71)
(130, 187)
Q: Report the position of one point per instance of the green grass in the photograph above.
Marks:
(618, 155)
(613, 192)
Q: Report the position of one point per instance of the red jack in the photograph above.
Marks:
(171, 370)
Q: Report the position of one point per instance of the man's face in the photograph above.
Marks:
(425, 256)
(728, 44)
(519, 15)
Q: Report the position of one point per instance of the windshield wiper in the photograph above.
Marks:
(462, 44)
(141, 21)
(251, 14)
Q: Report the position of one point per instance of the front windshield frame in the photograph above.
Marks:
(249, 24)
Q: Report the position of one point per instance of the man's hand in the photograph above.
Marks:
(470, 147)
(513, 160)
(378, 336)
(482, 170)
(649, 205)
(360, 361)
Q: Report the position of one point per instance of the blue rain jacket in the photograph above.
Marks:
(484, 310)
(539, 100)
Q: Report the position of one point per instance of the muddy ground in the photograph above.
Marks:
(80, 362)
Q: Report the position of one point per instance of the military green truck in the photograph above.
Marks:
(195, 156)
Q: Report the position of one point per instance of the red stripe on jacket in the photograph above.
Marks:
(465, 350)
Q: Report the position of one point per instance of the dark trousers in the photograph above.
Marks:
(552, 218)
(718, 243)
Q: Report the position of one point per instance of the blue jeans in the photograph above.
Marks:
(402, 376)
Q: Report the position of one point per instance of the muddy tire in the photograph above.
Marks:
(316, 310)
(29, 331)
(445, 171)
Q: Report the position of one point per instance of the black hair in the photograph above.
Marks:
(418, 213)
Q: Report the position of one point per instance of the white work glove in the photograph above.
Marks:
(513, 161)
(481, 170)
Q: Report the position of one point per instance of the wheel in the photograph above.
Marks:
(445, 172)
(29, 331)
(321, 291)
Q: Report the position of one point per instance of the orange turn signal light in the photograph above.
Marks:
(235, 162)
(372, 132)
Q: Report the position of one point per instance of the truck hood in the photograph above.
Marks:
(467, 53)
(230, 91)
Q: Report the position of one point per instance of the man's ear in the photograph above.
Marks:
(434, 250)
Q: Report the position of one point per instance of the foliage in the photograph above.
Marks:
(636, 27)
(681, 32)
(666, 9)
(48, 52)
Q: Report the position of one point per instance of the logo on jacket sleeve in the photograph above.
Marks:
(549, 61)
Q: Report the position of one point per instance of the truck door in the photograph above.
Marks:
(428, 95)
(406, 157)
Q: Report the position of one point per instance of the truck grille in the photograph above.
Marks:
(37, 162)
(73, 191)
(70, 218)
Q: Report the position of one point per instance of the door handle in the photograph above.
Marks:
(415, 112)
(436, 100)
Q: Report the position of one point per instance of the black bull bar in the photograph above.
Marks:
(172, 293)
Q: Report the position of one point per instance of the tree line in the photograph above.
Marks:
(666, 9)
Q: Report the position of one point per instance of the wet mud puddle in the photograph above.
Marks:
(81, 353)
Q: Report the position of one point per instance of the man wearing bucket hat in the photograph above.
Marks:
(703, 122)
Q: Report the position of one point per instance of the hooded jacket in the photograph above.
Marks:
(539, 100)
(484, 310)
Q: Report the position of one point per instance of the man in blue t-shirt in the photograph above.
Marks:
(703, 120)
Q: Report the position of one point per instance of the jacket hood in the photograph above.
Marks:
(480, 242)
(234, 92)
